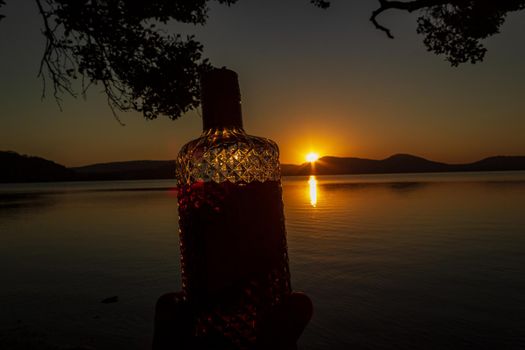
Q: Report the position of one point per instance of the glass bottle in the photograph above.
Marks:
(232, 234)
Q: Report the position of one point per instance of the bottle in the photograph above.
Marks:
(234, 256)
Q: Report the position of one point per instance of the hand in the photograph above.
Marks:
(281, 328)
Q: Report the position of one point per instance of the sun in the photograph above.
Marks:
(312, 157)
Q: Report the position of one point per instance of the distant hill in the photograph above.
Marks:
(131, 170)
(399, 163)
(499, 163)
(20, 168)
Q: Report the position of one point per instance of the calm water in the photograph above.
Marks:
(433, 261)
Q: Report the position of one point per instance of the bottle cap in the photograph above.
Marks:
(221, 99)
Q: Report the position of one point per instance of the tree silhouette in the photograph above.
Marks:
(454, 28)
(117, 44)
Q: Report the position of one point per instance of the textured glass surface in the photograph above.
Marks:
(228, 155)
(234, 257)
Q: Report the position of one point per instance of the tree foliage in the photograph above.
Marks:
(455, 28)
(117, 44)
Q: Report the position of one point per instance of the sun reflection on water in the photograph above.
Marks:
(312, 182)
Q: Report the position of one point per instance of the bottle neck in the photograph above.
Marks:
(221, 100)
(219, 117)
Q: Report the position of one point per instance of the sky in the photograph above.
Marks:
(312, 80)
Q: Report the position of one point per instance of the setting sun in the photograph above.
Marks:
(312, 157)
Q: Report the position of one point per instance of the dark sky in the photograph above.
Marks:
(312, 80)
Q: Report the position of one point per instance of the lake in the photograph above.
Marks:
(433, 261)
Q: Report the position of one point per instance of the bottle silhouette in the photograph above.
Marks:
(232, 235)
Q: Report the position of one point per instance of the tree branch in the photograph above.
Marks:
(55, 58)
(409, 6)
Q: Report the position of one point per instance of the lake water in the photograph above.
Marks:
(425, 261)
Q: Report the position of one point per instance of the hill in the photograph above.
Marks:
(21, 168)
(131, 170)
(399, 163)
